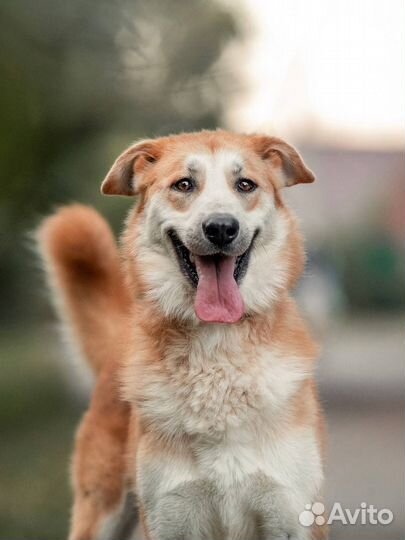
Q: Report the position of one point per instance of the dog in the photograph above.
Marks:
(204, 407)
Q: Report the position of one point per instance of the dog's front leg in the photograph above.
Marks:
(175, 503)
(188, 512)
(274, 510)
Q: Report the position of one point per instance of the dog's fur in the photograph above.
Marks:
(216, 428)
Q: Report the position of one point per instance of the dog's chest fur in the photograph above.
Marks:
(217, 381)
(231, 402)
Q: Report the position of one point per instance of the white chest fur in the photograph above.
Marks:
(214, 383)
(232, 402)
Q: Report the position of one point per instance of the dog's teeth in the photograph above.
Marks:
(191, 257)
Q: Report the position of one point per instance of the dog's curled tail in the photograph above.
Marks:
(84, 273)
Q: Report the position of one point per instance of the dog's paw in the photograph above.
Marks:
(189, 512)
(273, 516)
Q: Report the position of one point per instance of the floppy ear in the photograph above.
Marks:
(121, 178)
(286, 164)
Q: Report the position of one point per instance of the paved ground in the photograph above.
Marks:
(366, 464)
(363, 360)
(362, 384)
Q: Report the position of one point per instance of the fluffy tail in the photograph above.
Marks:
(84, 273)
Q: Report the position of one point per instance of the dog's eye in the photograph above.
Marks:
(184, 185)
(244, 185)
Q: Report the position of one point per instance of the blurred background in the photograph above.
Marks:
(80, 80)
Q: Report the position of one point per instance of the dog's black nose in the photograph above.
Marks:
(221, 229)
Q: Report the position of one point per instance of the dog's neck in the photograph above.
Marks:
(276, 326)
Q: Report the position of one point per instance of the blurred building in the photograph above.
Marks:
(355, 188)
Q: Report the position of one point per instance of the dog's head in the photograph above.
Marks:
(210, 235)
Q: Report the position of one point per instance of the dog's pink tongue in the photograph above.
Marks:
(218, 298)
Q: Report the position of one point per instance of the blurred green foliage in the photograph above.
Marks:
(79, 81)
(373, 272)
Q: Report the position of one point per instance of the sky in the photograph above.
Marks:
(328, 70)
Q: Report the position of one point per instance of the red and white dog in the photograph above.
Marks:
(205, 406)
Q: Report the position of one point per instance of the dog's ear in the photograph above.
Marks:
(287, 166)
(121, 178)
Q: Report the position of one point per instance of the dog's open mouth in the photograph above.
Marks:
(216, 278)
